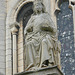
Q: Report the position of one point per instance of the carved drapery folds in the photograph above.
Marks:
(42, 47)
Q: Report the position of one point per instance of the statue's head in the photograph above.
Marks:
(38, 6)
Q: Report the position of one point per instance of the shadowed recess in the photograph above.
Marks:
(25, 13)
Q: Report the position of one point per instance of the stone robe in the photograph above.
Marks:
(40, 38)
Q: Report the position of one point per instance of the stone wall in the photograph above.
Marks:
(2, 36)
(13, 7)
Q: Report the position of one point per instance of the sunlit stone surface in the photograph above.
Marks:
(66, 36)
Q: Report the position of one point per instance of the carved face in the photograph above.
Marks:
(38, 7)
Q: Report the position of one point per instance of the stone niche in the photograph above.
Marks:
(43, 71)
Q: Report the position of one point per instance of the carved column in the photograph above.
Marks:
(14, 30)
(72, 6)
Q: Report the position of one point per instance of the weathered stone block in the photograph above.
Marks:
(20, 50)
(2, 52)
(20, 63)
(2, 64)
(21, 69)
(8, 71)
(20, 56)
(2, 59)
(8, 57)
(2, 71)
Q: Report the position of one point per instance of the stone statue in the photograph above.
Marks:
(41, 43)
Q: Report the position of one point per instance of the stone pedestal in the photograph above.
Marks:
(44, 71)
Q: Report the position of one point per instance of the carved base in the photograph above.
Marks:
(44, 71)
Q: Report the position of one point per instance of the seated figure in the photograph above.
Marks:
(41, 44)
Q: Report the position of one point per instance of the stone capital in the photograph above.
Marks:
(14, 28)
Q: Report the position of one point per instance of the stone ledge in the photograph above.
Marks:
(44, 71)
